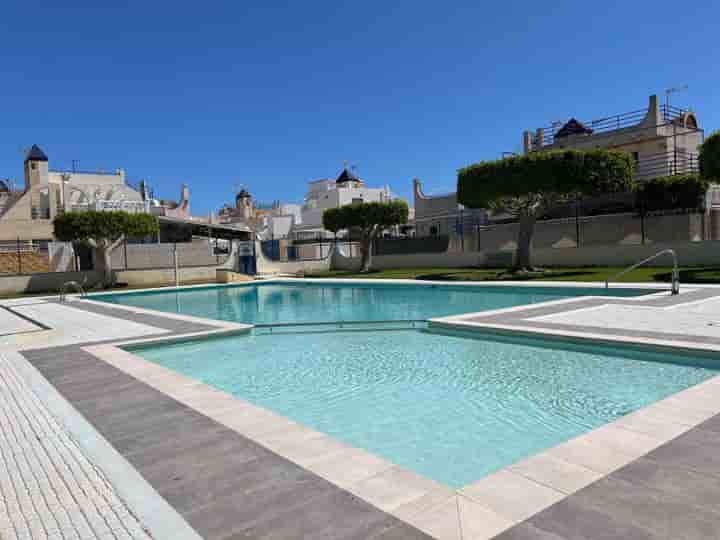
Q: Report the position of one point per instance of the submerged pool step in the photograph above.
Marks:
(338, 326)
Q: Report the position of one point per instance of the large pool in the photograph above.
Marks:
(270, 303)
(450, 407)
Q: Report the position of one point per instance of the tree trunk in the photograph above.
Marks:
(366, 241)
(524, 242)
(365, 253)
(104, 264)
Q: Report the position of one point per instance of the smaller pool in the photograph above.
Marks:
(450, 407)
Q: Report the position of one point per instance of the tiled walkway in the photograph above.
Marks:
(672, 492)
(48, 487)
(228, 487)
(223, 484)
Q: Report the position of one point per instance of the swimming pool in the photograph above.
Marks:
(448, 406)
(288, 302)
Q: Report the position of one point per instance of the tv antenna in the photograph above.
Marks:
(670, 91)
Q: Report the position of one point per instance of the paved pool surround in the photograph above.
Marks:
(659, 457)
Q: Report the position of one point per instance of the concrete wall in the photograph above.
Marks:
(618, 229)
(52, 281)
(705, 253)
(49, 282)
(266, 266)
(150, 256)
(166, 276)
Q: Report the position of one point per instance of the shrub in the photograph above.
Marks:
(671, 192)
(709, 158)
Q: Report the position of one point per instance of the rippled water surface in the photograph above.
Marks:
(451, 408)
(285, 302)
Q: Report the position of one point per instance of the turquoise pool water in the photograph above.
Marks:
(272, 303)
(449, 407)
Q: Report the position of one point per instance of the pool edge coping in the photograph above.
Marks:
(586, 458)
(688, 411)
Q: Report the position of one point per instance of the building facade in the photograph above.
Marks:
(323, 194)
(441, 215)
(28, 214)
(662, 139)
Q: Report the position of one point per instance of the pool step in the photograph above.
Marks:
(335, 326)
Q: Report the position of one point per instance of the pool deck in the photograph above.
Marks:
(98, 443)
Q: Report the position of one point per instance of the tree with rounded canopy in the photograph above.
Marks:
(103, 231)
(709, 158)
(366, 219)
(526, 186)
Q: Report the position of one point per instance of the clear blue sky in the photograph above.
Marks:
(273, 94)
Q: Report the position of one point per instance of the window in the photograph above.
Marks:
(635, 156)
(357, 200)
(33, 165)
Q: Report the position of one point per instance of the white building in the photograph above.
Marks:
(324, 194)
(281, 220)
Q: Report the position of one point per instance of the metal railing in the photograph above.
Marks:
(675, 286)
(609, 123)
(666, 164)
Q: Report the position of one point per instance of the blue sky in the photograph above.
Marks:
(273, 94)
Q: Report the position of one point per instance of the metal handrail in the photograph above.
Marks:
(675, 287)
(72, 285)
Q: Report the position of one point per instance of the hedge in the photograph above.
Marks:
(366, 215)
(83, 226)
(671, 192)
(563, 173)
(709, 158)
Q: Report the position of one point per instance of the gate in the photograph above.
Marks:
(247, 263)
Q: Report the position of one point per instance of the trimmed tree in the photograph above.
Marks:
(367, 220)
(526, 186)
(709, 158)
(103, 231)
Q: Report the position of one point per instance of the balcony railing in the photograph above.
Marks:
(666, 164)
(608, 124)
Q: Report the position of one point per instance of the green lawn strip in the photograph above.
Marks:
(646, 274)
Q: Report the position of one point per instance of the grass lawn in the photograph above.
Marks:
(645, 274)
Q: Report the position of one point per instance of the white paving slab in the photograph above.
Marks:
(701, 319)
(12, 324)
(71, 325)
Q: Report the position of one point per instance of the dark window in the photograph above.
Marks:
(635, 156)
(357, 200)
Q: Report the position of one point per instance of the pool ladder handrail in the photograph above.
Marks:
(72, 284)
(675, 286)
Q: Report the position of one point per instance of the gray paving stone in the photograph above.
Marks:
(222, 483)
(697, 488)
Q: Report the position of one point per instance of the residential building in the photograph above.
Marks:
(441, 215)
(326, 193)
(662, 139)
(28, 214)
